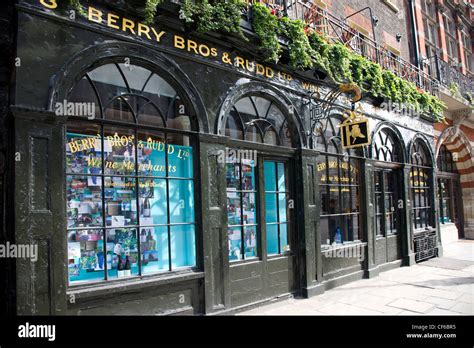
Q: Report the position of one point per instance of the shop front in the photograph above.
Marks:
(171, 173)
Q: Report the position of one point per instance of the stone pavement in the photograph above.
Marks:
(440, 286)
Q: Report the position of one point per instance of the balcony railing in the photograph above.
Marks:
(337, 30)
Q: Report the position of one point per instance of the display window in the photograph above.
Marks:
(130, 188)
(421, 188)
(339, 185)
(259, 120)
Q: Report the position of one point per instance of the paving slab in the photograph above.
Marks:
(412, 305)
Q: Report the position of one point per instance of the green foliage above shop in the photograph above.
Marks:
(308, 49)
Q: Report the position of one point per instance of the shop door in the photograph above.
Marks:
(261, 256)
(387, 215)
(450, 201)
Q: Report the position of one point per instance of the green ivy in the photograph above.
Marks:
(340, 63)
(266, 27)
(298, 44)
(307, 50)
(150, 10)
(218, 15)
(374, 78)
(320, 46)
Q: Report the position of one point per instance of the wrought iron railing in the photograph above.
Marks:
(428, 78)
(450, 76)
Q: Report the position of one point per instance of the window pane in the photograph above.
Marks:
(181, 200)
(282, 207)
(284, 238)
(271, 207)
(151, 154)
(119, 109)
(252, 134)
(119, 151)
(154, 249)
(250, 235)
(249, 209)
(235, 243)
(270, 176)
(272, 239)
(153, 202)
(233, 127)
(83, 149)
(136, 76)
(183, 246)
(108, 81)
(234, 214)
(122, 242)
(281, 177)
(248, 175)
(120, 201)
(233, 176)
(84, 201)
(85, 255)
(324, 228)
(180, 156)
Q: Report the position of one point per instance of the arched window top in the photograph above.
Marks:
(258, 119)
(326, 137)
(420, 154)
(387, 147)
(445, 162)
(133, 94)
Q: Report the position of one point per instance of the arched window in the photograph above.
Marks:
(386, 147)
(339, 179)
(420, 185)
(130, 175)
(258, 119)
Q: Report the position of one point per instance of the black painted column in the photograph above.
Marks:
(408, 253)
(214, 223)
(368, 214)
(40, 213)
(308, 210)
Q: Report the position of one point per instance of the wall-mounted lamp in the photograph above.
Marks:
(375, 20)
(399, 37)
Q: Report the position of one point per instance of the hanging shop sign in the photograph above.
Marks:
(355, 130)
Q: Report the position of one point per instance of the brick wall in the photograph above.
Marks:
(391, 22)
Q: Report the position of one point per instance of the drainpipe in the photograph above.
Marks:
(414, 30)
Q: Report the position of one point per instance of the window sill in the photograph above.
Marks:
(110, 288)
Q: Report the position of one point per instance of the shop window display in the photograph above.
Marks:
(130, 190)
(340, 185)
(257, 119)
(420, 185)
(241, 210)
